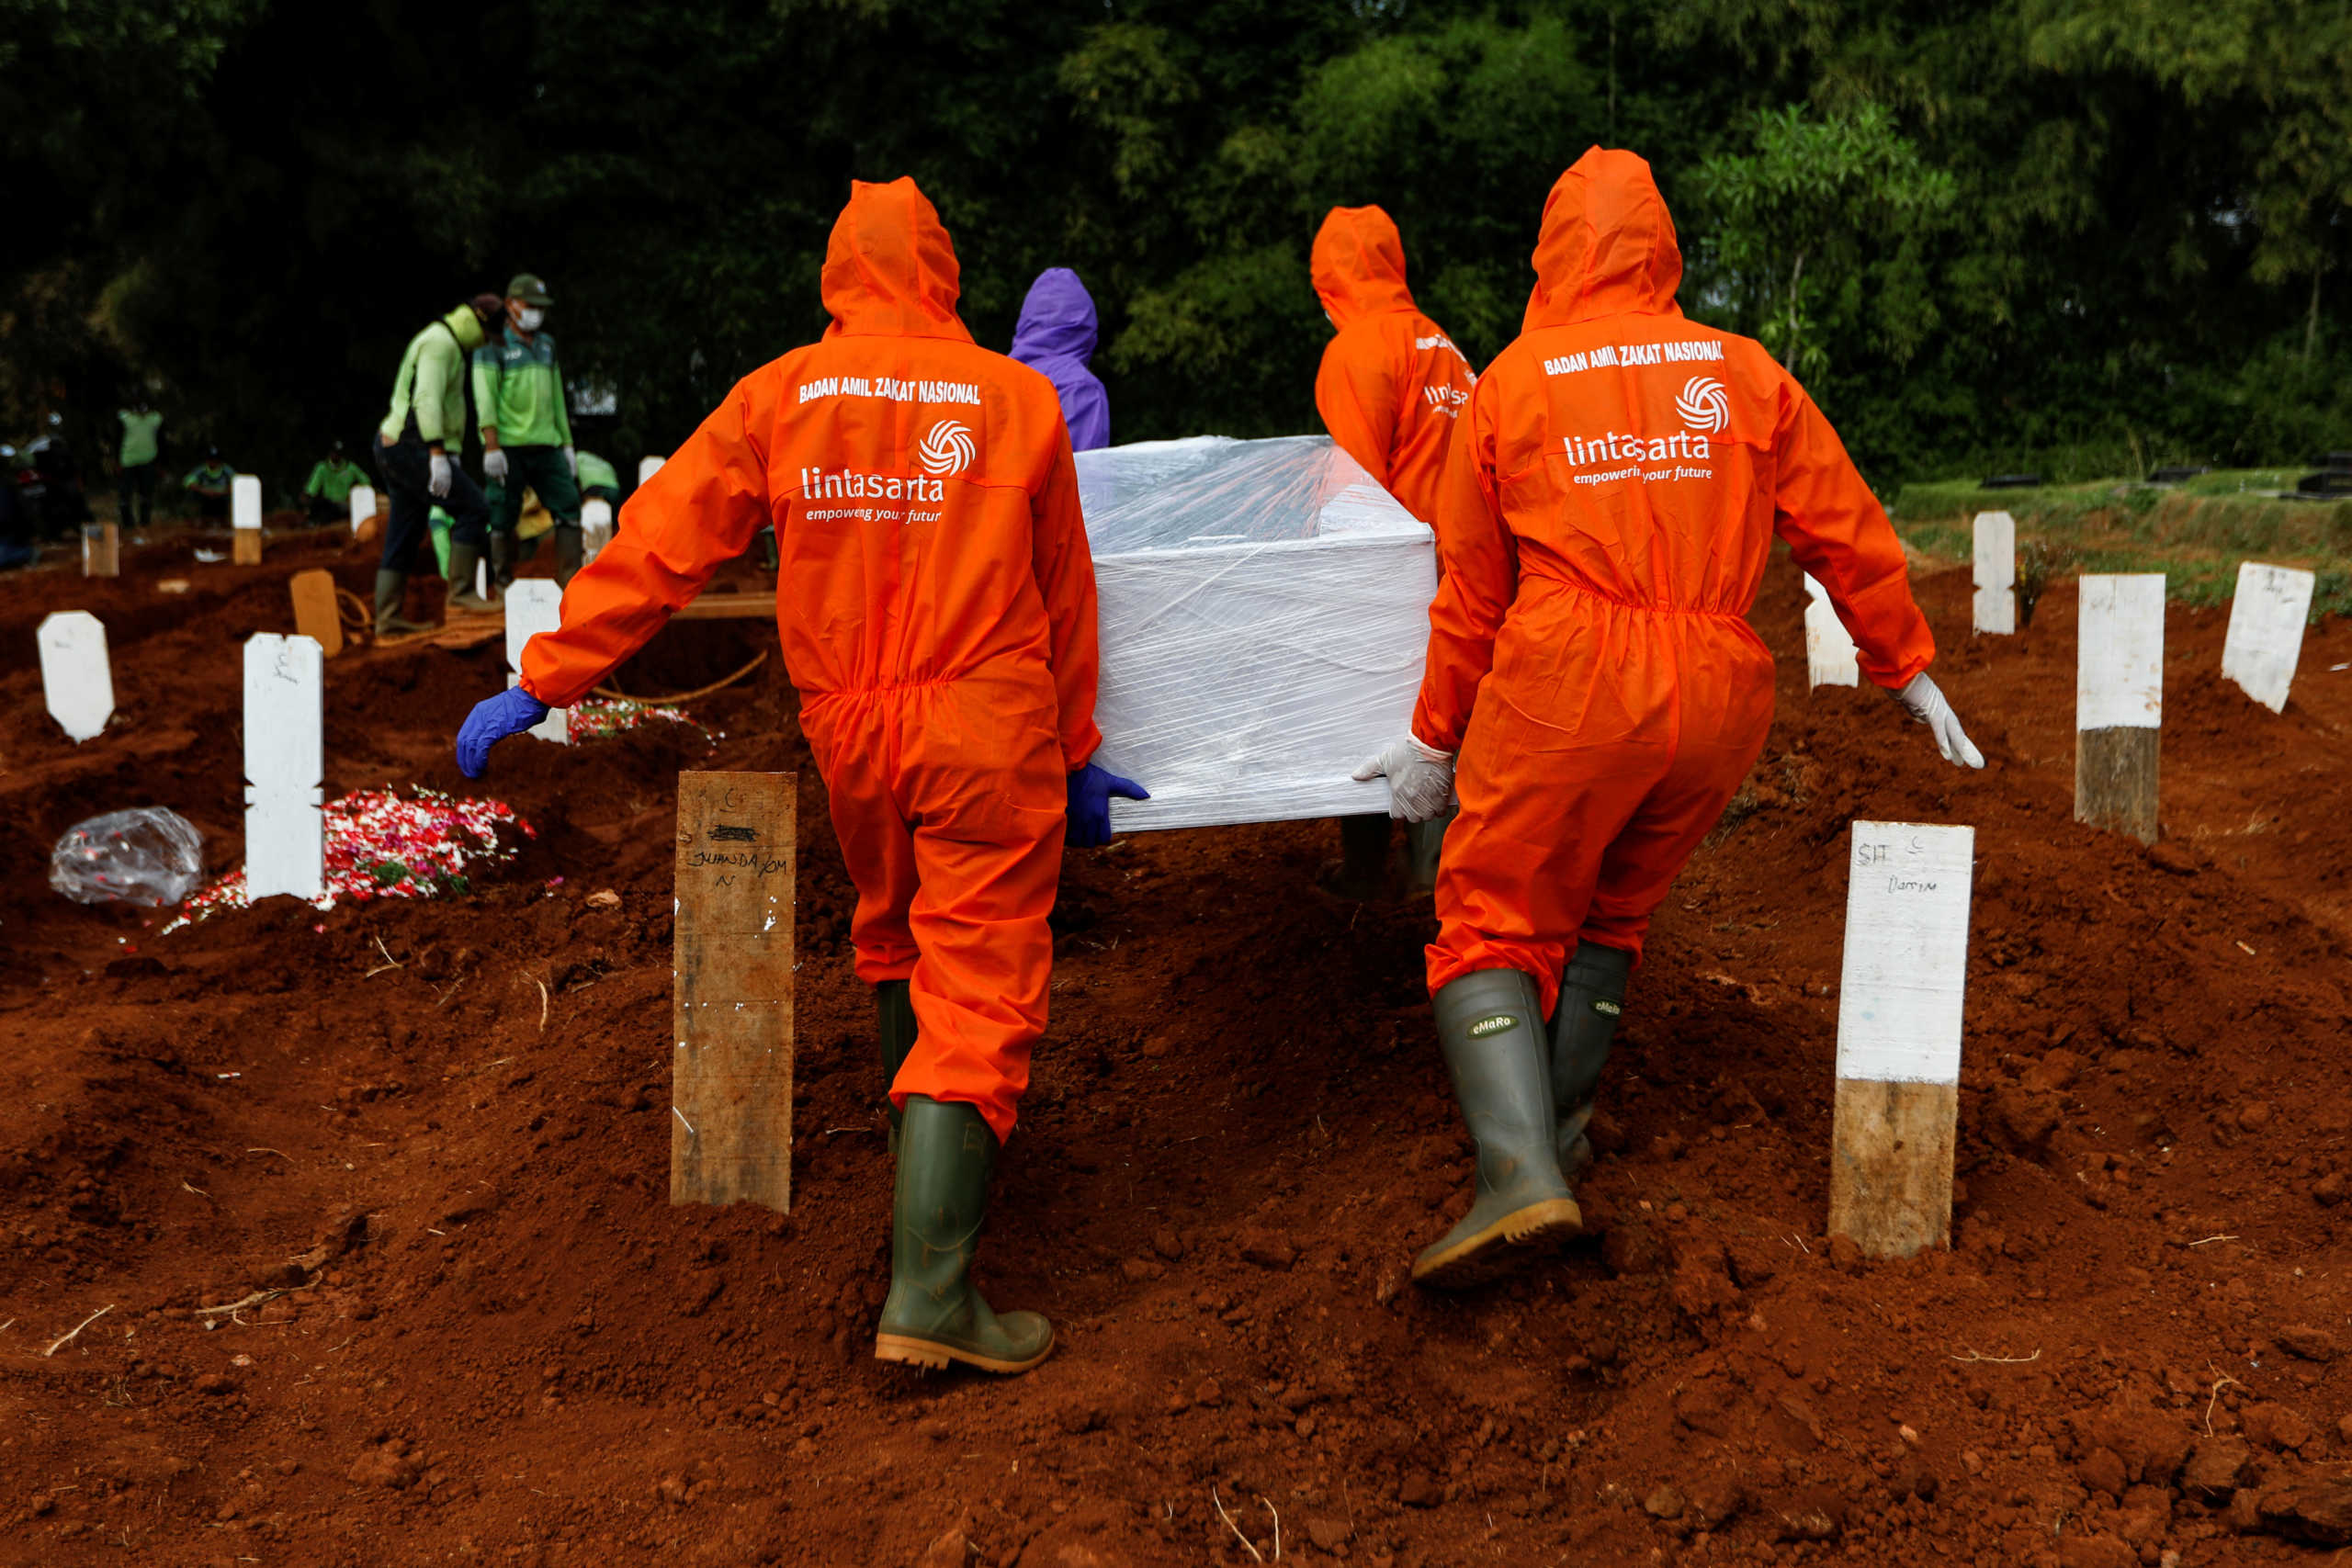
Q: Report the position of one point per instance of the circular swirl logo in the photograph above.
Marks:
(1705, 404)
(946, 449)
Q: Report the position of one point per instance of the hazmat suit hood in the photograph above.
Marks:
(889, 267)
(1056, 320)
(1607, 246)
(1358, 264)
(1056, 337)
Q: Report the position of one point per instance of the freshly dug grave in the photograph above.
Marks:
(428, 1143)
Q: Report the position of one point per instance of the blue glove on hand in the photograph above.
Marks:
(1091, 789)
(511, 712)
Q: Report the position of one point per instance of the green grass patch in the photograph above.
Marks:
(2196, 533)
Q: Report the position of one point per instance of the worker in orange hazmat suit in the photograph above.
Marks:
(1390, 388)
(1606, 515)
(936, 603)
(1391, 383)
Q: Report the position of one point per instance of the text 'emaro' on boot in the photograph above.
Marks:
(934, 1315)
(1491, 1025)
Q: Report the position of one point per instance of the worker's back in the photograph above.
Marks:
(907, 469)
(1610, 502)
(905, 473)
(1636, 455)
(922, 490)
(1391, 382)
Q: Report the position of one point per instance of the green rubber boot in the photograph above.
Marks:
(570, 552)
(1490, 1026)
(463, 600)
(895, 1027)
(946, 1154)
(391, 589)
(1424, 847)
(502, 560)
(1593, 995)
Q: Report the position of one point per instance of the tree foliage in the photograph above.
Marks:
(1996, 232)
(1848, 195)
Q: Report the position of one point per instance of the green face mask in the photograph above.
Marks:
(466, 327)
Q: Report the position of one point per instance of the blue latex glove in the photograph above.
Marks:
(511, 712)
(1091, 789)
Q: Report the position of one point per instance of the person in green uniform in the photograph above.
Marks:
(135, 463)
(526, 430)
(210, 483)
(328, 489)
(598, 478)
(412, 451)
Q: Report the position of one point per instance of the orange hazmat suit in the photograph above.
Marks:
(1606, 515)
(1392, 383)
(935, 599)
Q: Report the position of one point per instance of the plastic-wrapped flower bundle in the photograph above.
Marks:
(599, 718)
(146, 855)
(381, 844)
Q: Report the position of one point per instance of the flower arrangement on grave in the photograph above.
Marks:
(382, 844)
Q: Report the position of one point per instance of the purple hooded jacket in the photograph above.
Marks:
(1056, 337)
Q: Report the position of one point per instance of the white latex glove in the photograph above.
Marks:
(1420, 778)
(438, 483)
(572, 461)
(1926, 704)
(493, 465)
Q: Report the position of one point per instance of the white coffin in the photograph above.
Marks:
(1264, 616)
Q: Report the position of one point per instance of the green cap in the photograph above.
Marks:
(526, 287)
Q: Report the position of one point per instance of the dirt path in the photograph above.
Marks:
(501, 1344)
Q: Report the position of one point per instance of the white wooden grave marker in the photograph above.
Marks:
(2118, 702)
(244, 501)
(363, 505)
(75, 676)
(101, 550)
(285, 764)
(534, 604)
(2266, 636)
(1829, 651)
(647, 466)
(244, 519)
(595, 526)
(1996, 573)
(1899, 1011)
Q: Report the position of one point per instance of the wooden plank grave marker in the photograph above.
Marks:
(1899, 1009)
(2118, 702)
(316, 616)
(595, 526)
(1829, 652)
(2266, 636)
(244, 520)
(534, 604)
(101, 550)
(649, 466)
(1996, 574)
(730, 1121)
(285, 764)
(363, 505)
(76, 678)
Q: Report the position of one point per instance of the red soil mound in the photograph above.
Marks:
(439, 1131)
